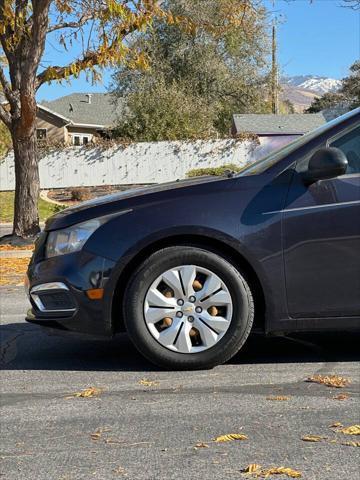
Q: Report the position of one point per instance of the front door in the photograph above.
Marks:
(321, 239)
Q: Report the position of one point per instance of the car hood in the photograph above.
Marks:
(109, 204)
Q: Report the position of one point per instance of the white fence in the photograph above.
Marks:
(135, 164)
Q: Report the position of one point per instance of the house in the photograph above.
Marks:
(78, 118)
(270, 125)
(274, 131)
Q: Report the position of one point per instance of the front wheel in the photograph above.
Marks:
(188, 308)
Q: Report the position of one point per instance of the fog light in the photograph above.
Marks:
(53, 297)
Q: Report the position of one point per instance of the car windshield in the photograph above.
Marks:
(268, 161)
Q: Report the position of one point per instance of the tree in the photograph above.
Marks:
(351, 86)
(5, 139)
(348, 94)
(169, 113)
(328, 100)
(354, 4)
(99, 28)
(286, 107)
(197, 78)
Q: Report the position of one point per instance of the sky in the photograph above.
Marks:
(315, 38)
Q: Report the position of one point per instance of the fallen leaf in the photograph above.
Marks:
(12, 270)
(252, 468)
(330, 380)
(257, 471)
(86, 393)
(352, 430)
(351, 444)
(279, 398)
(148, 383)
(313, 438)
(7, 247)
(98, 433)
(336, 425)
(282, 471)
(201, 445)
(341, 396)
(229, 437)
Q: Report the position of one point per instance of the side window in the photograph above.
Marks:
(350, 145)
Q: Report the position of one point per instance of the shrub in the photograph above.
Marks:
(80, 194)
(59, 208)
(215, 171)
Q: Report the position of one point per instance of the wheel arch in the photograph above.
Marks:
(201, 241)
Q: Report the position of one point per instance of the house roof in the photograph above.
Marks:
(95, 109)
(271, 124)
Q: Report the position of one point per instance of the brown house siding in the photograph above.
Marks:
(56, 131)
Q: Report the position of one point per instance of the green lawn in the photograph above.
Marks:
(46, 209)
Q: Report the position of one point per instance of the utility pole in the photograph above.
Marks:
(274, 74)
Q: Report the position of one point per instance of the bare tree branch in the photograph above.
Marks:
(78, 24)
(90, 59)
(354, 4)
(6, 88)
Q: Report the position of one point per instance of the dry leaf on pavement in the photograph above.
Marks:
(351, 444)
(8, 247)
(229, 437)
(148, 383)
(201, 445)
(86, 393)
(352, 430)
(330, 380)
(282, 471)
(258, 472)
(98, 433)
(341, 396)
(12, 270)
(313, 438)
(252, 468)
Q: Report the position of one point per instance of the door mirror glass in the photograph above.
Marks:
(329, 162)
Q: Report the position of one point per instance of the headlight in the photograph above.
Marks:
(70, 239)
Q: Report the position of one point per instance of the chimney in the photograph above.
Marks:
(89, 95)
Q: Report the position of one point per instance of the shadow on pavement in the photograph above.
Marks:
(27, 347)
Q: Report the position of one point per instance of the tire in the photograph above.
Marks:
(238, 326)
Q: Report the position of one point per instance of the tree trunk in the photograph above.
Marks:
(27, 184)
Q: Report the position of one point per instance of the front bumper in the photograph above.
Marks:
(57, 289)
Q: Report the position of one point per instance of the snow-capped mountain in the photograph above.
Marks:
(314, 83)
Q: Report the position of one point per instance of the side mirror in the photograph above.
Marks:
(326, 163)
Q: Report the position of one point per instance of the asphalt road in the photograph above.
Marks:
(150, 432)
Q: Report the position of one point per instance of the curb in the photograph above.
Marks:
(44, 196)
(10, 224)
(16, 254)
